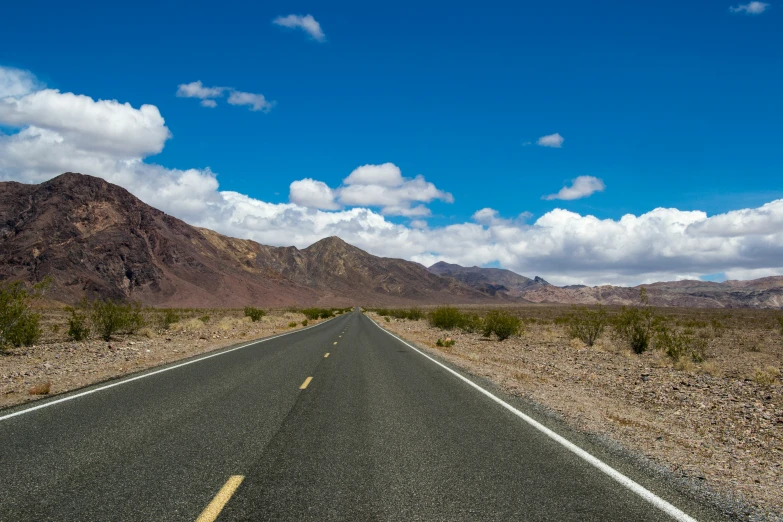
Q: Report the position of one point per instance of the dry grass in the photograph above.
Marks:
(41, 389)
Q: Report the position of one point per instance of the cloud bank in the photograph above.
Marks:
(54, 132)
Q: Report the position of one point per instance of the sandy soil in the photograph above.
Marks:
(712, 421)
(63, 366)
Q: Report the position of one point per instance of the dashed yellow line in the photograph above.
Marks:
(335, 342)
(306, 383)
(327, 355)
(214, 508)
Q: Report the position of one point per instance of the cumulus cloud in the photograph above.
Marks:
(209, 95)
(581, 187)
(306, 23)
(313, 194)
(754, 8)
(551, 140)
(100, 126)
(562, 246)
(374, 186)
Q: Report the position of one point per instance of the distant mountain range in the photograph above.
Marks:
(491, 281)
(96, 239)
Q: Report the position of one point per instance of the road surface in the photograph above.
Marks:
(278, 430)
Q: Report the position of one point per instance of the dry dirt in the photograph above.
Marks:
(713, 422)
(67, 365)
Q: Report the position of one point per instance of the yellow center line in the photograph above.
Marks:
(214, 508)
(306, 383)
(327, 355)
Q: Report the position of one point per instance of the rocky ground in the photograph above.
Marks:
(719, 423)
(56, 365)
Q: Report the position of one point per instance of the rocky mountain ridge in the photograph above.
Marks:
(96, 239)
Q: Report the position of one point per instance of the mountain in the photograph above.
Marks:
(97, 239)
(758, 293)
(491, 281)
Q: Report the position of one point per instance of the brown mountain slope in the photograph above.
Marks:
(94, 238)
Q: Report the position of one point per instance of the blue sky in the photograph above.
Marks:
(669, 104)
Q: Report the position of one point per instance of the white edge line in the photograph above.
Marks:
(168, 368)
(646, 494)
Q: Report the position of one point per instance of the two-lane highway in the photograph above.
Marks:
(336, 422)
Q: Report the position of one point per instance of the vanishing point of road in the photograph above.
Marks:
(340, 421)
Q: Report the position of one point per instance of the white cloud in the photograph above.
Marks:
(754, 8)
(257, 102)
(551, 140)
(197, 90)
(311, 193)
(208, 95)
(561, 246)
(306, 23)
(384, 186)
(385, 175)
(100, 126)
(16, 82)
(581, 187)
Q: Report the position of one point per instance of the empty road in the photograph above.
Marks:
(340, 421)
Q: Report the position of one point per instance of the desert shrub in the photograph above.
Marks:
(78, 327)
(254, 313)
(446, 318)
(26, 331)
(678, 344)
(168, 318)
(502, 324)
(304, 323)
(445, 342)
(19, 325)
(387, 319)
(635, 324)
(110, 318)
(780, 323)
(472, 323)
(292, 324)
(415, 314)
(317, 313)
(586, 324)
(767, 376)
(562, 320)
(204, 319)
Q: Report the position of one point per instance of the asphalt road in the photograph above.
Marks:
(380, 432)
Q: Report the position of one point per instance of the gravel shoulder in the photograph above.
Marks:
(711, 424)
(61, 366)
